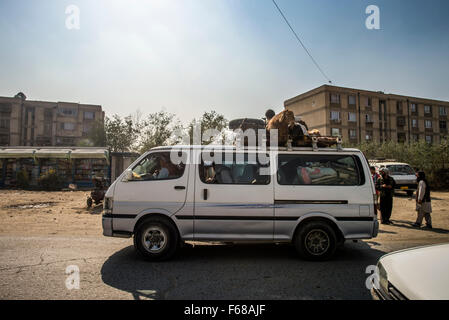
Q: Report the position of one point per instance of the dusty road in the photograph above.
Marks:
(41, 234)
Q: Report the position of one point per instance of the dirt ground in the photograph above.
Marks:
(29, 213)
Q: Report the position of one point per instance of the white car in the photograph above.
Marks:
(414, 274)
(402, 173)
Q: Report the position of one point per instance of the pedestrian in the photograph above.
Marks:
(423, 201)
(375, 177)
(385, 184)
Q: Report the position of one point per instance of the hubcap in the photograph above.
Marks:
(154, 239)
(317, 242)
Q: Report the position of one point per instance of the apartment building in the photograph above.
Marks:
(362, 115)
(40, 123)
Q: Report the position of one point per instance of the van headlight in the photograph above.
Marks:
(383, 278)
(107, 205)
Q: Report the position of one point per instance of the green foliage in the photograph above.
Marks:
(433, 159)
(158, 130)
(96, 137)
(23, 179)
(209, 120)
(121, 133)
(50, 181)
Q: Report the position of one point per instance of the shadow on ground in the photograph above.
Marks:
(242, 272)
(409, 225)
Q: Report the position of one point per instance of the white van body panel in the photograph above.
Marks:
(270, 212)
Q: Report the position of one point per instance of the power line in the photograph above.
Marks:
(299, 40)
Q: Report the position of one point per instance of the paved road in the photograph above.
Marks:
(34, 268)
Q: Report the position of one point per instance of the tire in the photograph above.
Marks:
(156, 239)
(316, 241)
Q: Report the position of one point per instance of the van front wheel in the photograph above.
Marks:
(156, 240)
(316, 241)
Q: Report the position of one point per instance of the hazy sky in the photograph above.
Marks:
(235, 56)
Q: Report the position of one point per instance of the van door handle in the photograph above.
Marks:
(180, 188)
(205, 194)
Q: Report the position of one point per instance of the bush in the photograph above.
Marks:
(433, 159)
(50, 181)
(23, 179)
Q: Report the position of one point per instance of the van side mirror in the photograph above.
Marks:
(128, 176)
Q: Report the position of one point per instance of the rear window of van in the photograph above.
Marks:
(320, 170)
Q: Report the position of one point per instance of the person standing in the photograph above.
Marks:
(375, 177)
(423, 201)
(385, 184)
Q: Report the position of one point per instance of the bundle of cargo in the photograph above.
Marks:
(293, 130)
(245, 124)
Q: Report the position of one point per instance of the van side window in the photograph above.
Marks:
(321, 170)
(158, 166)
(234, 169)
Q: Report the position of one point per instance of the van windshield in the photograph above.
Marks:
(400, 170)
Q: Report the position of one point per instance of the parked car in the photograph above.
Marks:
(313, 198)
(414, 274)
(402, 173)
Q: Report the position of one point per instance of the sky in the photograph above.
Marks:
(236, 57)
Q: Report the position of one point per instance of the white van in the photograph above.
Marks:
(313, 198)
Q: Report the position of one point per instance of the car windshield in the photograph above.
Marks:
(400, 170)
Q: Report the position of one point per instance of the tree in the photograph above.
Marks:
(158, 130)
(121, 133)
(209, 120)
(96, 136)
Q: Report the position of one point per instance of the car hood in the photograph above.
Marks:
(420, 273)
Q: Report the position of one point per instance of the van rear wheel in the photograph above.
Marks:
(156, 240)
(316, 241)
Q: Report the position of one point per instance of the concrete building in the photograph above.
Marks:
(38, 123)
(362, 115)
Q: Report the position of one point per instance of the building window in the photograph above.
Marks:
(413, 108)
(443, 111)
(351, 100)
(427, 110)
(368, 102)
(335, 98)
(352, 134)
(414, 123)
(89, 115)
(4, 124)
(86, 127)
(352, 117)
(443, 125)
(335, 116)
(428, 124)
(369, 136)
(68, 112)
(399, 107)
(368, 118)
(415, 137)
(401, 137)
(69, 126)
(335, 132)
(429, 139)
